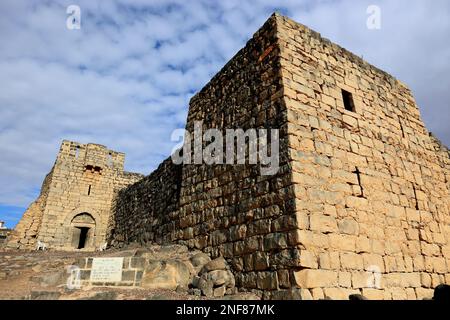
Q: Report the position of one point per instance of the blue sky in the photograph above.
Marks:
(125, 78)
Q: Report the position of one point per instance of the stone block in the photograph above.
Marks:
(315, 278)
(351, 261)
(339, 293)
(410, 294)
(398, 293)
(283, 279)
(308, 259)
(361, 279)
(303, 220)
(261, 261)
(166, 275)
(357, 203)
(291, 294)
(322, 223)
(345, 279)
(267, 280)
(348, 226)
(285, 258)
(328, 100)
(350, 121)
(302, 237)
(418, 263)
(362, 244)
(200, 259)
(342, 242)
(373, 294)
(219, 292)
(373, 262)
(275, 241)
(439, 265)
(324, 260)
(317, 293)
(221, 277)
(216, 264)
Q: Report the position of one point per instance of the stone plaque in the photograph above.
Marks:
(106, 269)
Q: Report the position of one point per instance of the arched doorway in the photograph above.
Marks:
(83, 231)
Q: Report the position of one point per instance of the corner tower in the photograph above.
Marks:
(74, 207)
(360, 203)
(371, 183)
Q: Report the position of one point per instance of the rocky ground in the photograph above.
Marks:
(170, 273)
(38, 275)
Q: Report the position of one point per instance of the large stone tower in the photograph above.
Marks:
(74, 206)
(360, 203)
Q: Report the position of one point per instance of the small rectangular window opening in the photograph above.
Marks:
(401, 127)
(348, 101)
(89, 190)
(109, 161)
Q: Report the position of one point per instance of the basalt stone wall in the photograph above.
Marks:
(372, 184)
(233, 210)
(145, 211)
(227, 210)
(360, 203)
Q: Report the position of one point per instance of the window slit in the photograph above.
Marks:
(349, 104)
(401, 127)
(415, 197)
(358, 175)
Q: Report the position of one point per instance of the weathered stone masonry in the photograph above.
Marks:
(360, 203)
(358, 192)
(371, 183)
(74, 206)
(144, 210)
(232, 211)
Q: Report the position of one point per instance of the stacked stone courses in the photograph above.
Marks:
(371, 188)
(360, 203)
(82, 182)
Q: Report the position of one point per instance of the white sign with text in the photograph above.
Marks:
(106, 270)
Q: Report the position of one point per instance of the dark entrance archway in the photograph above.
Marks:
(83, 231)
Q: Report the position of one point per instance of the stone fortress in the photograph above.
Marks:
(360, 203)
(74, 206)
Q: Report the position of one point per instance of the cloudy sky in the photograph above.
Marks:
(125, 77)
